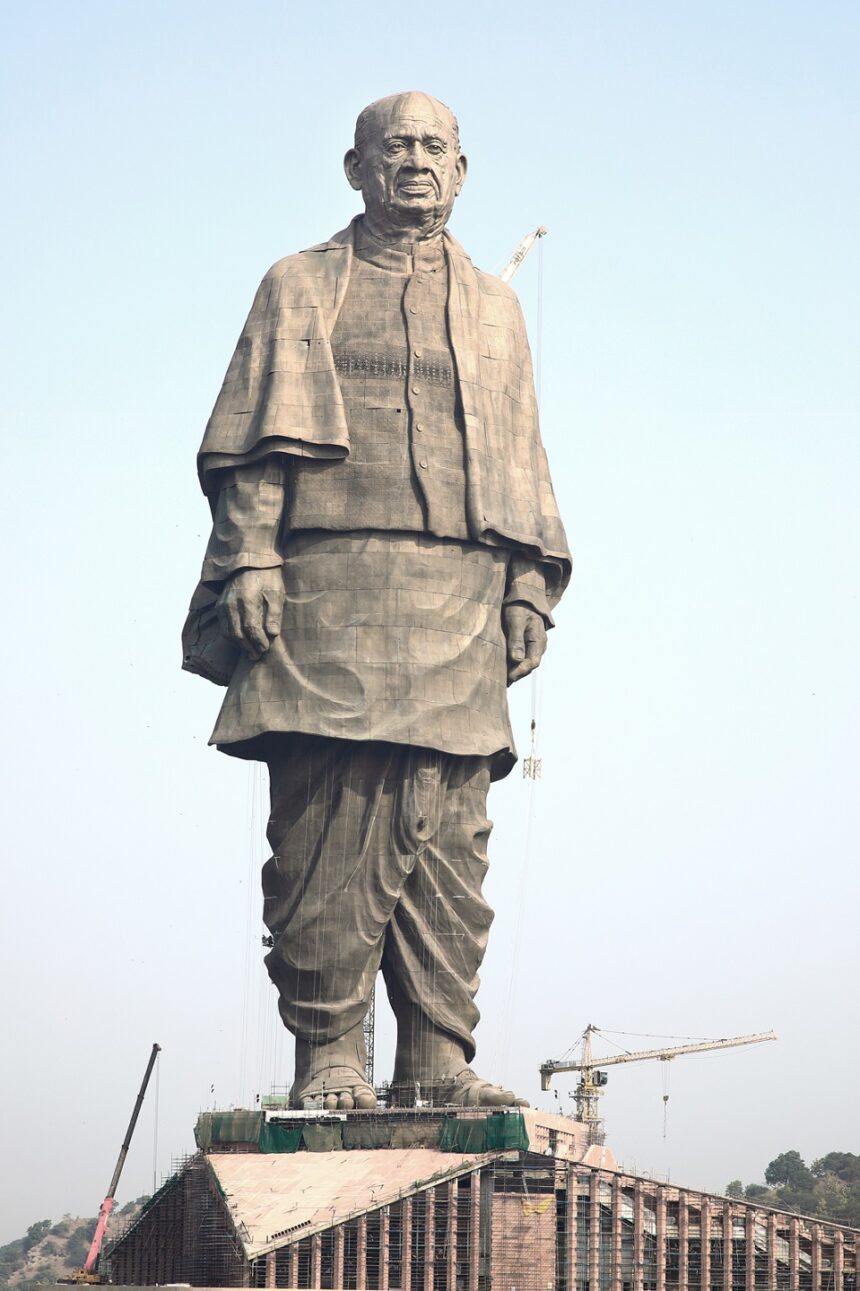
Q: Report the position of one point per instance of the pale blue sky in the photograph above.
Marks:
(693, 860)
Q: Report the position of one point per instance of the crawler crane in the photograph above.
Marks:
(592, 1080)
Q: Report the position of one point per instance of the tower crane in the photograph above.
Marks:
(592, 1081)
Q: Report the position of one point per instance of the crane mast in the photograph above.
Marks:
(592, 1081)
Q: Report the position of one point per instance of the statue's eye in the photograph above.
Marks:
(395, 145)
(435, 149)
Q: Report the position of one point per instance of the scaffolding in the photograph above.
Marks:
(521, 1222)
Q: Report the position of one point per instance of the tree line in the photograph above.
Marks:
(828, 1189)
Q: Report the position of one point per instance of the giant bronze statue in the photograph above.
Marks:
(385, 555)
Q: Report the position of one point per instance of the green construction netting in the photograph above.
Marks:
(323, 1138)
(362, 1134)
(498, 1132)
(280, 1138)
(507, 1131)
(463, 1135)
(214, 1128)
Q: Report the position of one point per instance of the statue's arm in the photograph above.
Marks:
(243, 564)
(525, 616)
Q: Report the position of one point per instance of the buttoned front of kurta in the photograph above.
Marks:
(395, 368)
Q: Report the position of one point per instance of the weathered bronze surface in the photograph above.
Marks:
(385, 555)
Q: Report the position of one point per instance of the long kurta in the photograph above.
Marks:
(392, 624)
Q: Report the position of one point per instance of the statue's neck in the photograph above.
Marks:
(403, 237)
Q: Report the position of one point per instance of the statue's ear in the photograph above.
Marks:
(461, 168)
(352, 169)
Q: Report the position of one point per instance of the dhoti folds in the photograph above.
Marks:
(379, 854)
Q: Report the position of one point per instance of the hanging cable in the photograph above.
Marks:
(667, 1076)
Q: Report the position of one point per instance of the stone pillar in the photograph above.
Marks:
(407, 1244)
(660, 1233)
(429, 1237)
(749, 1231)
(772, 1232)
(838, 1260)
(705, 1230)
(474, 1231)
(272, 1269)
(594, 1230)
(615, 1282)
(683, 1240)
(728, 1245)
(338, 1257)
(570, 1227)
(361, 1254)
(638, 1237)
(451, 1251)
(316, 1260)
(816, 1257)
(383, 1248)
(293, 1265)
(794, 1255)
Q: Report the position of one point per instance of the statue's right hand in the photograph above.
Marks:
(250, 609)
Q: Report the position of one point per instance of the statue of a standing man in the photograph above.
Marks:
(385, 554)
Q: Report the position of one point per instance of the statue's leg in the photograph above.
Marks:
(329, 891)
(438, 932)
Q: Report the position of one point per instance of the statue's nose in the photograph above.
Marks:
(417, 157)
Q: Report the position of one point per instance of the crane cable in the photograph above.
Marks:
(532, 765)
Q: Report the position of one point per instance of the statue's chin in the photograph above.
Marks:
(421, 214)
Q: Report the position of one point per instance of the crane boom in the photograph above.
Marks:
(88, 1275)
(592, 1081)
(523, 248)
(550, 1067)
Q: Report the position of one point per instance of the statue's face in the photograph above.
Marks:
(409, 167)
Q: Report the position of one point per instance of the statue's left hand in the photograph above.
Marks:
(250, 609)
(525, 634)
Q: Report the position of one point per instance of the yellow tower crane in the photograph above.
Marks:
(592, 1080)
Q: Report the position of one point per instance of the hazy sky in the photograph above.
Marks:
(693, 855)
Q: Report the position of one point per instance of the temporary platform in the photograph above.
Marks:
(454, 1200)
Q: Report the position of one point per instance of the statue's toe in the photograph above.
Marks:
(468, 1090)
(334, 1089)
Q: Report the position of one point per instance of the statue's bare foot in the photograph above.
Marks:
(468, 1090)
(333, 1089)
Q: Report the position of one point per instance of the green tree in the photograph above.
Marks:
(735, 1189)
(791, 1171)
(845, 1165)
(36, 1232)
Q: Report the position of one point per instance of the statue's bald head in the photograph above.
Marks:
(406, 161)
(410, 105)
